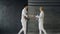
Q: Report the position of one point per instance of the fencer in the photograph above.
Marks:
(24, 18)
(41, 20)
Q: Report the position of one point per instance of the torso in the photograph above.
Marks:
(41, 18)
(22, 17)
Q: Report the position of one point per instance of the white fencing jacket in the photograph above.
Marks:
(40, 19)
(24, 13)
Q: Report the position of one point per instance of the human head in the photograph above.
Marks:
(26, 6)
(41, 8)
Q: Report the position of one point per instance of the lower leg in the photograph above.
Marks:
(44, 31)
(24, 30)
(40, 32)
(20, 31)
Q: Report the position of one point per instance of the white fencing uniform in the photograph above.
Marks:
(40, 20)
(23, 21)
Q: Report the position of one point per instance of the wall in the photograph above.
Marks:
(52, 12)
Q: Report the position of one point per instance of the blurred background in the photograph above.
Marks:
(51, 19)
(10, 13)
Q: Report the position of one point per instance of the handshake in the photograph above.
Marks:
(32, 16)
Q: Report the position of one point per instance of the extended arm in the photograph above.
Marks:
(37, 16)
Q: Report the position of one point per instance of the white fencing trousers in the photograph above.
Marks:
(41, 28)
(23, 27)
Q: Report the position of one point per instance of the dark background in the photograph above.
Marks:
(10, 12)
